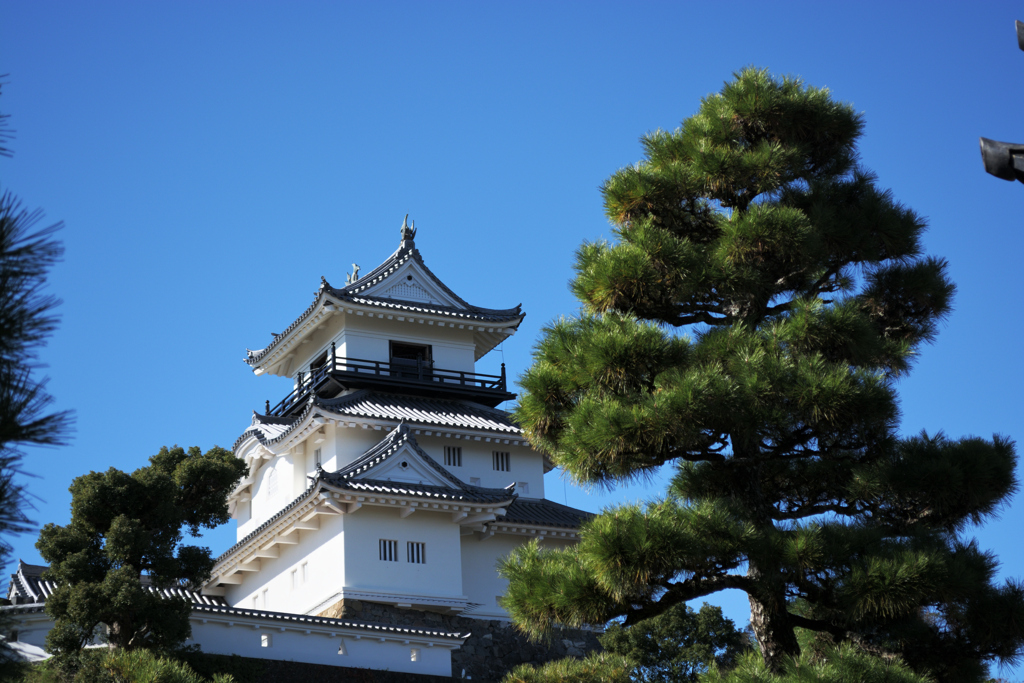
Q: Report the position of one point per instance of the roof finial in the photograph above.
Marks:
(350, 278)
(408, 231)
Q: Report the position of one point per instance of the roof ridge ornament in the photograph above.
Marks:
(408, 231)
(350, 278)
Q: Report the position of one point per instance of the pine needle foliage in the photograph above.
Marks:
(27, 318)
(595, 668)
(746, 326)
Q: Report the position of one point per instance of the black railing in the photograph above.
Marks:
(400, 370)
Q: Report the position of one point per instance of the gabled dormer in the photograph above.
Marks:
(398, 328)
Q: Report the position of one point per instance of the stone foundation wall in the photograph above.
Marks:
(494, 647)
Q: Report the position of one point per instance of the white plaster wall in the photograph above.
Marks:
(323, 553)
(275, 487)
(245, 639)
(32, 628)
(367, 338)
(440, 576)
(525, 464)
(243, 517)
(480, 578)
(349, 443)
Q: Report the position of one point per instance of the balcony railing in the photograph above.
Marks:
(398, 374)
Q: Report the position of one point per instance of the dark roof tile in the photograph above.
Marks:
(352, 294)
(542, 512)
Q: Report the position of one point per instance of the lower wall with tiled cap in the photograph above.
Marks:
(493, 648)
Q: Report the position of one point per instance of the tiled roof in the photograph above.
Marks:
(484, 315)
(426, 411)
(28, 583)
(407, 250)
(328, 622)
(365, 403)
(542, 512)
(351, 293)
(262, 527)
(343, 478)
(457, 489)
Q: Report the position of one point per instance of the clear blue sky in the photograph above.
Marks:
(212, 160)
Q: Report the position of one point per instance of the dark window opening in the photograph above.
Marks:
(410, 360)
(318, 363)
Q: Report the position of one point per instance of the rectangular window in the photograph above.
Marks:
(416, 553)
(295, 578)
(317, 458)
(265, 601)
(305, 572)
(265, 640)
(502, 460)
(255, 602)
(414, 654)
(412, 361)
(453, 456)
(342, 650)
(388, 550)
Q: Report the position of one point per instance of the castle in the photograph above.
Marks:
(387, 477)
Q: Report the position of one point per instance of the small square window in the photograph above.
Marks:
(475, 481)
(453, 456)
(502, 461)
(523, 488)
(388, 550)
(416, 553)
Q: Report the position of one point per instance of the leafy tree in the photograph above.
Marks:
(26, 320)
(677, 645)
(806, 294)
(128, 526)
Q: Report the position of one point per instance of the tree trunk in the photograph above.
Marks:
(770, 621)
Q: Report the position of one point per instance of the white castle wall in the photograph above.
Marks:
(247, 638)
(304, 574)
(480, 578)
(365, 338)
(440, 576)
(263, 638)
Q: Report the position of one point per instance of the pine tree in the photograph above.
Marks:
(26, 320)
(747, 325)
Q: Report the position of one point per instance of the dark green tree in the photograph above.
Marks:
(677, 645)
(26, 320)
(806, 294)
(126, 529)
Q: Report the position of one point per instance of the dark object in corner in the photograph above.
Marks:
(1005, 159)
